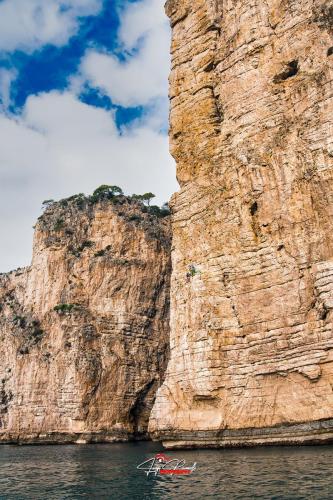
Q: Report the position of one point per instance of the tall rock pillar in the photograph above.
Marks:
(252, 285)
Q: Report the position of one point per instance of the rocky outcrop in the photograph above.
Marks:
(252, 284)
(84, 330)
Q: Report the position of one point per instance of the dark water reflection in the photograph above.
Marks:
(109, 471)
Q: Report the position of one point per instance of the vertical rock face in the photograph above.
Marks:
(251, 131)
(84, 330)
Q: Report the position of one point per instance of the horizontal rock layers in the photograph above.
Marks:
(252, 285)
(84, 330)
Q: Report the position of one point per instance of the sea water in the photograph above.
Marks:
(110, 471)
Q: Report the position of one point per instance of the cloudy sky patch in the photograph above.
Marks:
(83, 101)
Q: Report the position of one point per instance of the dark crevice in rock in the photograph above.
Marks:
(139, 412)
(330, 51)
(209, 67)
(290, 70)
(323, 313)
(214, 27)
(253, 208)
(6, 396)
(219, 113)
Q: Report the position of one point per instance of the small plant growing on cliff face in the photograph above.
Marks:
(135, 218)
(63, 203)
(165, 209)
(86, 244)
(63, 308)
(78, 250)
(47, 203)
(192, 271)
(155, 210)
(102, 252)
(78, 199)
(37, 334)
(19, 321)
(58, 225)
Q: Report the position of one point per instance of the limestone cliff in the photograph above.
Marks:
(84, 329)
(251, 131)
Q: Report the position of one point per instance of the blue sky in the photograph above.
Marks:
(83, 101)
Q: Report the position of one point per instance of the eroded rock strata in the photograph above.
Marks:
(84, 330)
(251, 131)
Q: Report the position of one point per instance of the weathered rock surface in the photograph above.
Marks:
(251, 131)
(84, 330)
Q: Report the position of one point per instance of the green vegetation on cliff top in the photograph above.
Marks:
(114, 194)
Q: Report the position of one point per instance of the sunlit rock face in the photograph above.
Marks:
(251, 131)
(84, 330)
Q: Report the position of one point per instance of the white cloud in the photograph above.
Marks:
(140, 19)
(60, 146)
(143, 76)
(29, 24)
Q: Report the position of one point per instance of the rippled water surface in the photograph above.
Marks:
(109, 471)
